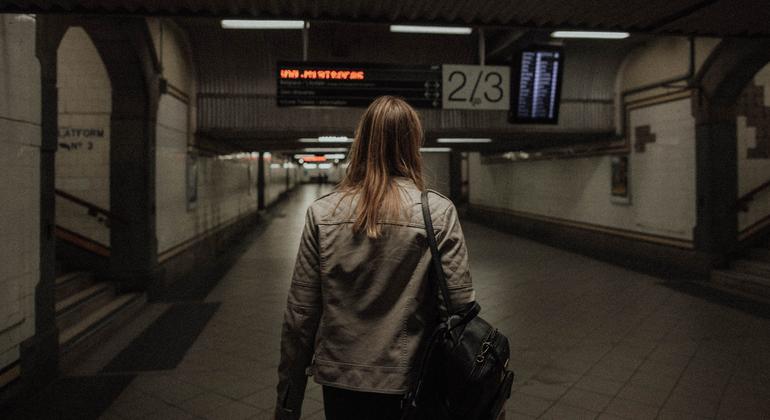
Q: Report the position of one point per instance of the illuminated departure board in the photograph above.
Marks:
(334, 84)
(536, 90)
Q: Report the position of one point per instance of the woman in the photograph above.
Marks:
(360, 300)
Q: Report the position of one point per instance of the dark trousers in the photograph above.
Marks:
(342, 404)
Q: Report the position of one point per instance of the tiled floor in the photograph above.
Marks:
(589, 340)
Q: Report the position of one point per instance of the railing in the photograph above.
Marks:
(89, 230)
(102, 215)
(756, 226)
(743, 202)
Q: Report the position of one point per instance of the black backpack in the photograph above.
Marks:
(463, 371)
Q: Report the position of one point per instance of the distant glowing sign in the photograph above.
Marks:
(322, 74)
(315, 159)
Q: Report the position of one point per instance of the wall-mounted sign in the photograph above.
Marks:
(335, 84)
(77, 138)
(475, 87)
(619, 183)
(537, 87)
(192, 181)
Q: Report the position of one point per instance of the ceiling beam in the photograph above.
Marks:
(681, 14)
(503, 142)
(504, 44)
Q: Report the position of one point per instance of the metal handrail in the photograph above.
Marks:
(93, 209)
(743, 202)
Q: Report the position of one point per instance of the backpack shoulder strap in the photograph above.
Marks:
(438, 270)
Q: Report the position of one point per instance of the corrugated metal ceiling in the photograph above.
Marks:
(700, 17)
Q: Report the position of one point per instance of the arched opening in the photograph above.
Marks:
(753, 138)
(102, 129)
(83, 153)
(724, 78)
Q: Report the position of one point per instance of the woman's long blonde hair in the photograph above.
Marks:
(386, 145)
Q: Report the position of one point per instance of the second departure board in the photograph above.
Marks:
(334, 84)
(536, 90)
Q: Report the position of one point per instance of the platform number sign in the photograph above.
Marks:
(475, 87)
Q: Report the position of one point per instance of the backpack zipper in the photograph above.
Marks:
(486, 345)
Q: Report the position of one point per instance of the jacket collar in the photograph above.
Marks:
(404, 181)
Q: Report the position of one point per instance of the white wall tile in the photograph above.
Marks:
(662, 181)
(20, 70)
(83, 156)
(753, 172)
(19, 182)
(225, 191)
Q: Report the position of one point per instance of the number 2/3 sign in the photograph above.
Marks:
(475, 87)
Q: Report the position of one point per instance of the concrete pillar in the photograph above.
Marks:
(716, 232)
(455, 176)
(261, 181)
(126, 49)
(132, 199)
(40, 353)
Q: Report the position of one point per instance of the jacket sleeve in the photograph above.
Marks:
(454, 259)
(303, 312)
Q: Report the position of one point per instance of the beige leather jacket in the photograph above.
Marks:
(358, 308)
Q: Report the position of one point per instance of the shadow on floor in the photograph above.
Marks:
(719, 297)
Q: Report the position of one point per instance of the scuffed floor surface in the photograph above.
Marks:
(589, 339)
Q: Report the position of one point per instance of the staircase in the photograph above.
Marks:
(87, 311)
(748, 276)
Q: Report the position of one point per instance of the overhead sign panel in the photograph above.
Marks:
(332, 84)
(475, 87)
(537, 89)
(532, 96)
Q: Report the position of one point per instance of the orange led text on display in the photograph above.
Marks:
(314, 158)
(322, 74)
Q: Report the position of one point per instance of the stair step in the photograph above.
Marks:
(756, 267)
(71, 283)
(81, 304)
(761, 254)
(77, 339)
(741, 283)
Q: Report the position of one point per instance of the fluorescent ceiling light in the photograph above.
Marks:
(334, 156)
(262, 24)
(334, 139)
(590, 34)
(325, 150)
(435, 149)
(445, 30)
(324, 166)
(469, 140)
(310, 166)
(326, 139)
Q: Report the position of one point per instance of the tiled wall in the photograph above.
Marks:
(226, 187)
(275, 177)
(83, 154)
(20, 186)
(661, 181)
(661, 161)
(753, 125)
